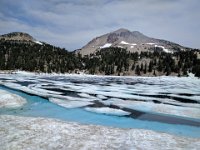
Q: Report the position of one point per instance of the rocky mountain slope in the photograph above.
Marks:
(132, 41)
(19, 37)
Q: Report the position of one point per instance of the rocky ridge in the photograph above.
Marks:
(132, 41)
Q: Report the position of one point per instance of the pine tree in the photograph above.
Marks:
(145, 68)
(133, 66)
(141, 67)
(137, 70)
(150, 66)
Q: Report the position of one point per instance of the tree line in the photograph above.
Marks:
(108, 61)
(118, 60)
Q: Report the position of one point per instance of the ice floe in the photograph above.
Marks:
(152, 107)
(86, 95)
(9, 100)
(68, 103)
(107, 110)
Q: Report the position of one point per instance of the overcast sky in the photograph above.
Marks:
(73, 23)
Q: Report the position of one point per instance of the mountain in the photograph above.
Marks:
(20, 51)
(132, 41)
(19, 37)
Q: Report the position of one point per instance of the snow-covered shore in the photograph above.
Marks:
(9, 100)
(28, 73)
(40, 133)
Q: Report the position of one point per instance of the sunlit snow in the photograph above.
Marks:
(150, 43)
(126, 43)
(38, 42)
(106, 45)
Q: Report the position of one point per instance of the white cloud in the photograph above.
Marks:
(71, 24)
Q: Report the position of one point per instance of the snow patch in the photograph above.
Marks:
(120, 46)
(38, 42)
(125, 43)
(164, 49)
(106, 45)
(150, 43)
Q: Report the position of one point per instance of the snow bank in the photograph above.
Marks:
(107, 110)
(9, 100)
(39, 133)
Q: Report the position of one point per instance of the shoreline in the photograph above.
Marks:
(190, 75)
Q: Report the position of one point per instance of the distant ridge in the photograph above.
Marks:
(19, 37)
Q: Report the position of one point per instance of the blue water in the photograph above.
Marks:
(40, 107)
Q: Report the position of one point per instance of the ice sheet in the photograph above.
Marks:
(168, 95)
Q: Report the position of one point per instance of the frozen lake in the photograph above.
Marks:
(166, 104)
